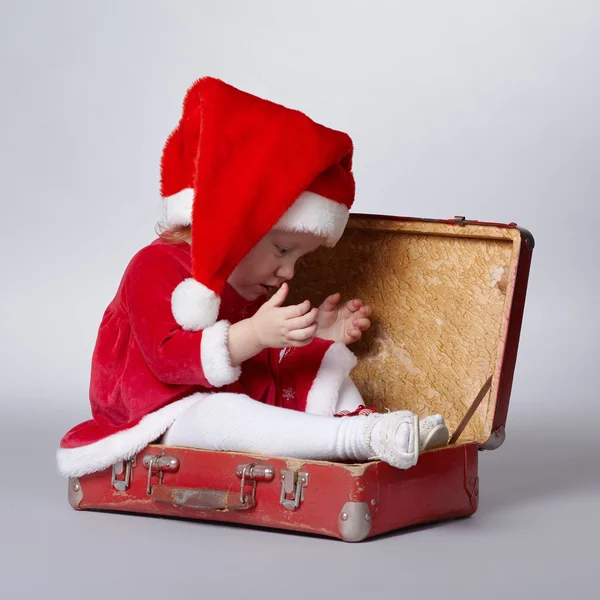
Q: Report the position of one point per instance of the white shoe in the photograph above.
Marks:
(433, 433)
(396, 440)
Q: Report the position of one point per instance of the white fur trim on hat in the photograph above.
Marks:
(178, 207)
(194, 306)
(324, 392)
(75, 462)
(310, 213)
(316, 214)
(214, 355)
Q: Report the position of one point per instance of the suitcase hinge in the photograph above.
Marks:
(292, 483)
(117, 469)
(496, 439)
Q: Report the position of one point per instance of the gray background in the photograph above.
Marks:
(476, 108)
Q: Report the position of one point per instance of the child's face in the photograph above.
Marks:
(271, 262)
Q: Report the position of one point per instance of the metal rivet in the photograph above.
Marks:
(344, 516)
(75, 487)
(373, 502)
(368, 517)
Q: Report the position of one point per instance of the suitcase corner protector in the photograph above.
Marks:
(496, 439)
(75, 492)
(355, 521)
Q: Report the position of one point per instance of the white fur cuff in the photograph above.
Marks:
(214, 355)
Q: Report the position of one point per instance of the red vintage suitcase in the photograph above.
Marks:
(448, 300)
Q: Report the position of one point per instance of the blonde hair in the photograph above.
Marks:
(174, 234)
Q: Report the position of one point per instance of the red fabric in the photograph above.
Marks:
(247, 160)
(143, 360)
(297, 371)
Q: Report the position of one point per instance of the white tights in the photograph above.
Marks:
(236, 422)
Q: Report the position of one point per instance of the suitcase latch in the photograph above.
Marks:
(121, 485)
(157, 464)
(292, 483)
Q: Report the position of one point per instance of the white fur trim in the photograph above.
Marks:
(194, 306)
(309, 213)
(316, 214)
(178, 207)
(74, 462)
(214, 355)
(335, 367)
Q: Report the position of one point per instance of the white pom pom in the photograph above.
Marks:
(194, 306)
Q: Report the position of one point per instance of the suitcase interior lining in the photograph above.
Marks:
(441, 297)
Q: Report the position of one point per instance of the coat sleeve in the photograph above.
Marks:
(174, 355)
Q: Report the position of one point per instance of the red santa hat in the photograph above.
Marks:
(237, 166)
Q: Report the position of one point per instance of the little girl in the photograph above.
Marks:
(190, 352)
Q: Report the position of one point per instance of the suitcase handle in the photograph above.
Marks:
(202, 498)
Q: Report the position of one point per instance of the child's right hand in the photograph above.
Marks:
(287, 326)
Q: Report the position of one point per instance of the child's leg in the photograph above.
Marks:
(235, 422)
(349, 398)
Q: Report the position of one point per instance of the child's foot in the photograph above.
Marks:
(433, 433)
(393, 437)
(398, 437)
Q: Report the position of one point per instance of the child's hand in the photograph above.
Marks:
(288, 326)
(342, 324)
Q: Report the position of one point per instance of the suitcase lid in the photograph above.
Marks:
(447, 299)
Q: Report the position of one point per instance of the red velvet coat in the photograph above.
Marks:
(147, 370)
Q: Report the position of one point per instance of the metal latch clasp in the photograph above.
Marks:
(121, 485)
(160, 464)
(292, 483)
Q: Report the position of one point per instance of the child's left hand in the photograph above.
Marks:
(342, 324)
